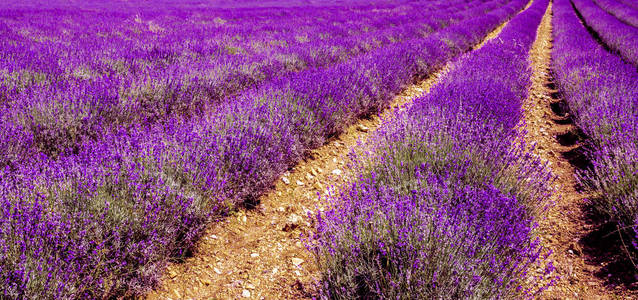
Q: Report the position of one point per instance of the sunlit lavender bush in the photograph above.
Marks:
(445, 207)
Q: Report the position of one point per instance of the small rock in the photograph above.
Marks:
(320, 170)
(300, 183)
(217, 271)
(275, 270)
(573, 249)
(294, 219)
(254, 255)
(250, 286)
(297, 261)
(314, 172)
(285, 180)
(309, 176)
(245, 293)
(337, 172)
(172, 273)
(362, 128)
(292, 223)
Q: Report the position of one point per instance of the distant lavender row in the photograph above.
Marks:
(445, 203)
(601, 91)
(623, 12)
(630, 3)
(103, 221)
(618, 36)
(57, 109)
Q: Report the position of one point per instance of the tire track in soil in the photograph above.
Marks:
(548, 125)
(258, 253)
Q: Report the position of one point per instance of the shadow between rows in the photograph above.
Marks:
(603, 245)
(606, 246)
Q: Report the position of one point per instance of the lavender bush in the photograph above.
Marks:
(445, 206)
(601, 91)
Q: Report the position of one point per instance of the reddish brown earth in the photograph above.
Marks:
(564, 225)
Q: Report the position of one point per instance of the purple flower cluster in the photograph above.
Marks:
(601, 91)
(623, 12)
(444, 207)
(110, 167)
(618, 36)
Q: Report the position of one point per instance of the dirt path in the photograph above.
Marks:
(259, 253)
(564, 224)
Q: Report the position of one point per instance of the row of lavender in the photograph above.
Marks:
(616, 35)
(103, 221)
(630, 3)
(622, 11)
(601, 91)
(64, 83)
(445, 205)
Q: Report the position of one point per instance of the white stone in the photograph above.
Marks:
(245, 293)
(297, 261)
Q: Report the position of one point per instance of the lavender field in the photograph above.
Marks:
(131, 129)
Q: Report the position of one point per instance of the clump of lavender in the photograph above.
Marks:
(440, 240)
(98, 225)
